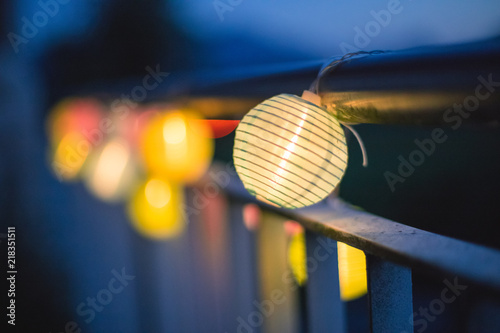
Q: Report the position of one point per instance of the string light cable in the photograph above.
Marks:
(330, 66)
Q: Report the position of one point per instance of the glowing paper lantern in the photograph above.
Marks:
(289, 152)
(352, 272)
(140, 123)
(110, 171)
(177, 146)
(252, 216)
(351, 263)
(80, 115)
(69, 156)
(297, 256)
(70, 127)
(156, 209)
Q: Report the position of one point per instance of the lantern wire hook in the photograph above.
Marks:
(361, 143)
(330, 66)
(335, 62)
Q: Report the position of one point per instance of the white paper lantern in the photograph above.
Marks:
(289, 152)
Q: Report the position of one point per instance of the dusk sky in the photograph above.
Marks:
(312, 29)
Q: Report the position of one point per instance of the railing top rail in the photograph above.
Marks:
(413, 86)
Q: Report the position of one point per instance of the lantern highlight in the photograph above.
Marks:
(289, 152)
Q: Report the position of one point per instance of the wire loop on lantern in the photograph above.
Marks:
(335, 62)
(360, 141)
(328, 67)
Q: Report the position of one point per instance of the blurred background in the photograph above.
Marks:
(72, 238)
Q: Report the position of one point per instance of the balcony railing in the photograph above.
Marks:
(393, 251)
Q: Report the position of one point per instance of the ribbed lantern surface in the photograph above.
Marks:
(289, 152)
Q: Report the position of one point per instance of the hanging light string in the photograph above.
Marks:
(335, 62)
(329, 67)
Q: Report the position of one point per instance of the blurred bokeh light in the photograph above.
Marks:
(177, 146)
(70, 129)
(156, 209)
(105, 147)
(297, 258)
(352, 272)
(111, 172)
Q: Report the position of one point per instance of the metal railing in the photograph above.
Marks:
(393, 250)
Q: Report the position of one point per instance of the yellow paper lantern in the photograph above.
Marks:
(177, 146)
(289, 152)
(297, 257)
(352, 272)
(156, 209)
(111, 171)
(69, 156)
(351, 265)
(71, 126)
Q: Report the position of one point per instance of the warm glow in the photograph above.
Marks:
(251, 216)
(73, 115)
(69, 155)
(177, 146)
(157, 193)
(352, 272)
(289, 152)
(297, 257)
(351, 262)
(156, 209)
(70, 127)
(174, 129)
(104, 180)
(293, 228)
